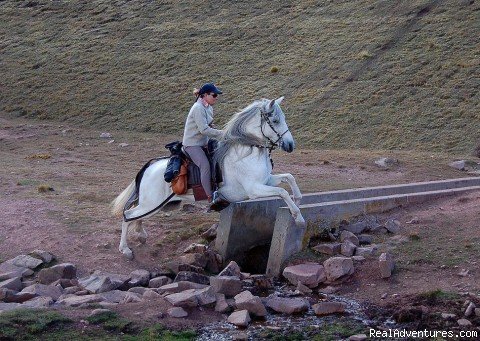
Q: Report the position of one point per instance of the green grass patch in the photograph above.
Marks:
(341, 329)
(437, 296)
(110, 320)
(25, 324)
(27, 182)
(158, 332)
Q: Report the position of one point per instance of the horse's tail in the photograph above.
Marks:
(119, 202)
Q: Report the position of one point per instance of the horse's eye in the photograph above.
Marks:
(276, 121)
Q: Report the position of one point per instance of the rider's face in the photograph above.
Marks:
(211, 98)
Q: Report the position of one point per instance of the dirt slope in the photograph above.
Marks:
(357, 74)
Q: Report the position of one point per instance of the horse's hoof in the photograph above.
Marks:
(128, 254)
(300, 222)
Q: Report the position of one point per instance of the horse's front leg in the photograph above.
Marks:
(263, 191)
(276, 179)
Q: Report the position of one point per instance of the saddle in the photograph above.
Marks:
(180, 157)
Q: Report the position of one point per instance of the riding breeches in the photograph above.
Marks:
(198, 156)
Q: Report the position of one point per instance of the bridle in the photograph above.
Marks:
(273, 144)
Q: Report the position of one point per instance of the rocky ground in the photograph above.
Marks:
(59, 180)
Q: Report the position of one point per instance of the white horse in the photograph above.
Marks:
(244, 157)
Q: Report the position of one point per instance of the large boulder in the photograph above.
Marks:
(254, 305)
(39, 302)
(47, 257)
(25, 261)
(187, 298)
(232, 269)
(194, 277)
(44, 290)
(287, 305)
(157, 282)
(11, 296)
(178, 287)
(103, 281)
(309, 274)
(348, 248)
(366, 251)
(337, 267)
(386, 264)
(347, 235)
(14, 284)
(328, 249)
(240, 318)
(327, 308)
(56, 272)
(139, 278)
(227, 285)
(195, 259)
(75, 301)
(221, 304)
(8, 271)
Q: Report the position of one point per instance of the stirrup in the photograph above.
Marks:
(218, 203)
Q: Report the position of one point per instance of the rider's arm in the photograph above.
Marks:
(200, 117)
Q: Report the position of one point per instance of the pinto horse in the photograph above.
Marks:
(243, 155)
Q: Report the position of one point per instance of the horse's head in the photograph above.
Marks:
(274, 127)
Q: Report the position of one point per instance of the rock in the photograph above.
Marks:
(470, 309)
(221, 304)
(254, 305)
(139, 278)
(151, 295)
(348, 248)
(227, 285)
(123, 144)
(75, 301)
(179, 286)
(39, 302)
(44, 290)
(347, 235)
(337, 267)
(386, 162)
(463, 272)
(357, 227)
(309, 274)
(8, 271)
(328, 249)
(175, 266)
(56, 272)
(10, 306)
(459, 164)
(177, 312)
(105, 136)
(159, 281)
(262, 281)
(14, 284)
(205, 296)
(232, 269)
(327, 308)
(365, 239)
(11, 296)
(213, 264)
(386, 265)
(138, 290)
(464, 323)
(115, 296)
(187, 298)
(132, 297)
(72, 290)
(358, 258)
(393, 225)
(47, 257)
(25, 261)
(446, 316)
(211, 233)
(196, 248)
(239, 318)
(99, 311)
(97, 284)
(328, 290)
(366, 251)
(414, 220)
(192, 277)
(303, 289)
(195, 259)
(357, 337)
(287, 305)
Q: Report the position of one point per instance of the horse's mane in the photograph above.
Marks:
(235, 133)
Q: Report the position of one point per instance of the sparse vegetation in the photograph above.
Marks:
(45, 188)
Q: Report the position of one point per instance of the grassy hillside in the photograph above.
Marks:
(356, 74)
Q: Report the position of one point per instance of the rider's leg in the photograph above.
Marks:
(198, 156)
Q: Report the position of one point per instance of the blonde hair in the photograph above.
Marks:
(196, 92)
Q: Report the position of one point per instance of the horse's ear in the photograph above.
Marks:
(270, 105)
(279, 100)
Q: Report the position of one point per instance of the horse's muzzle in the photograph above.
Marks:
(288, 146)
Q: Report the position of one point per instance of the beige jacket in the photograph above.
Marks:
(197, 129)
